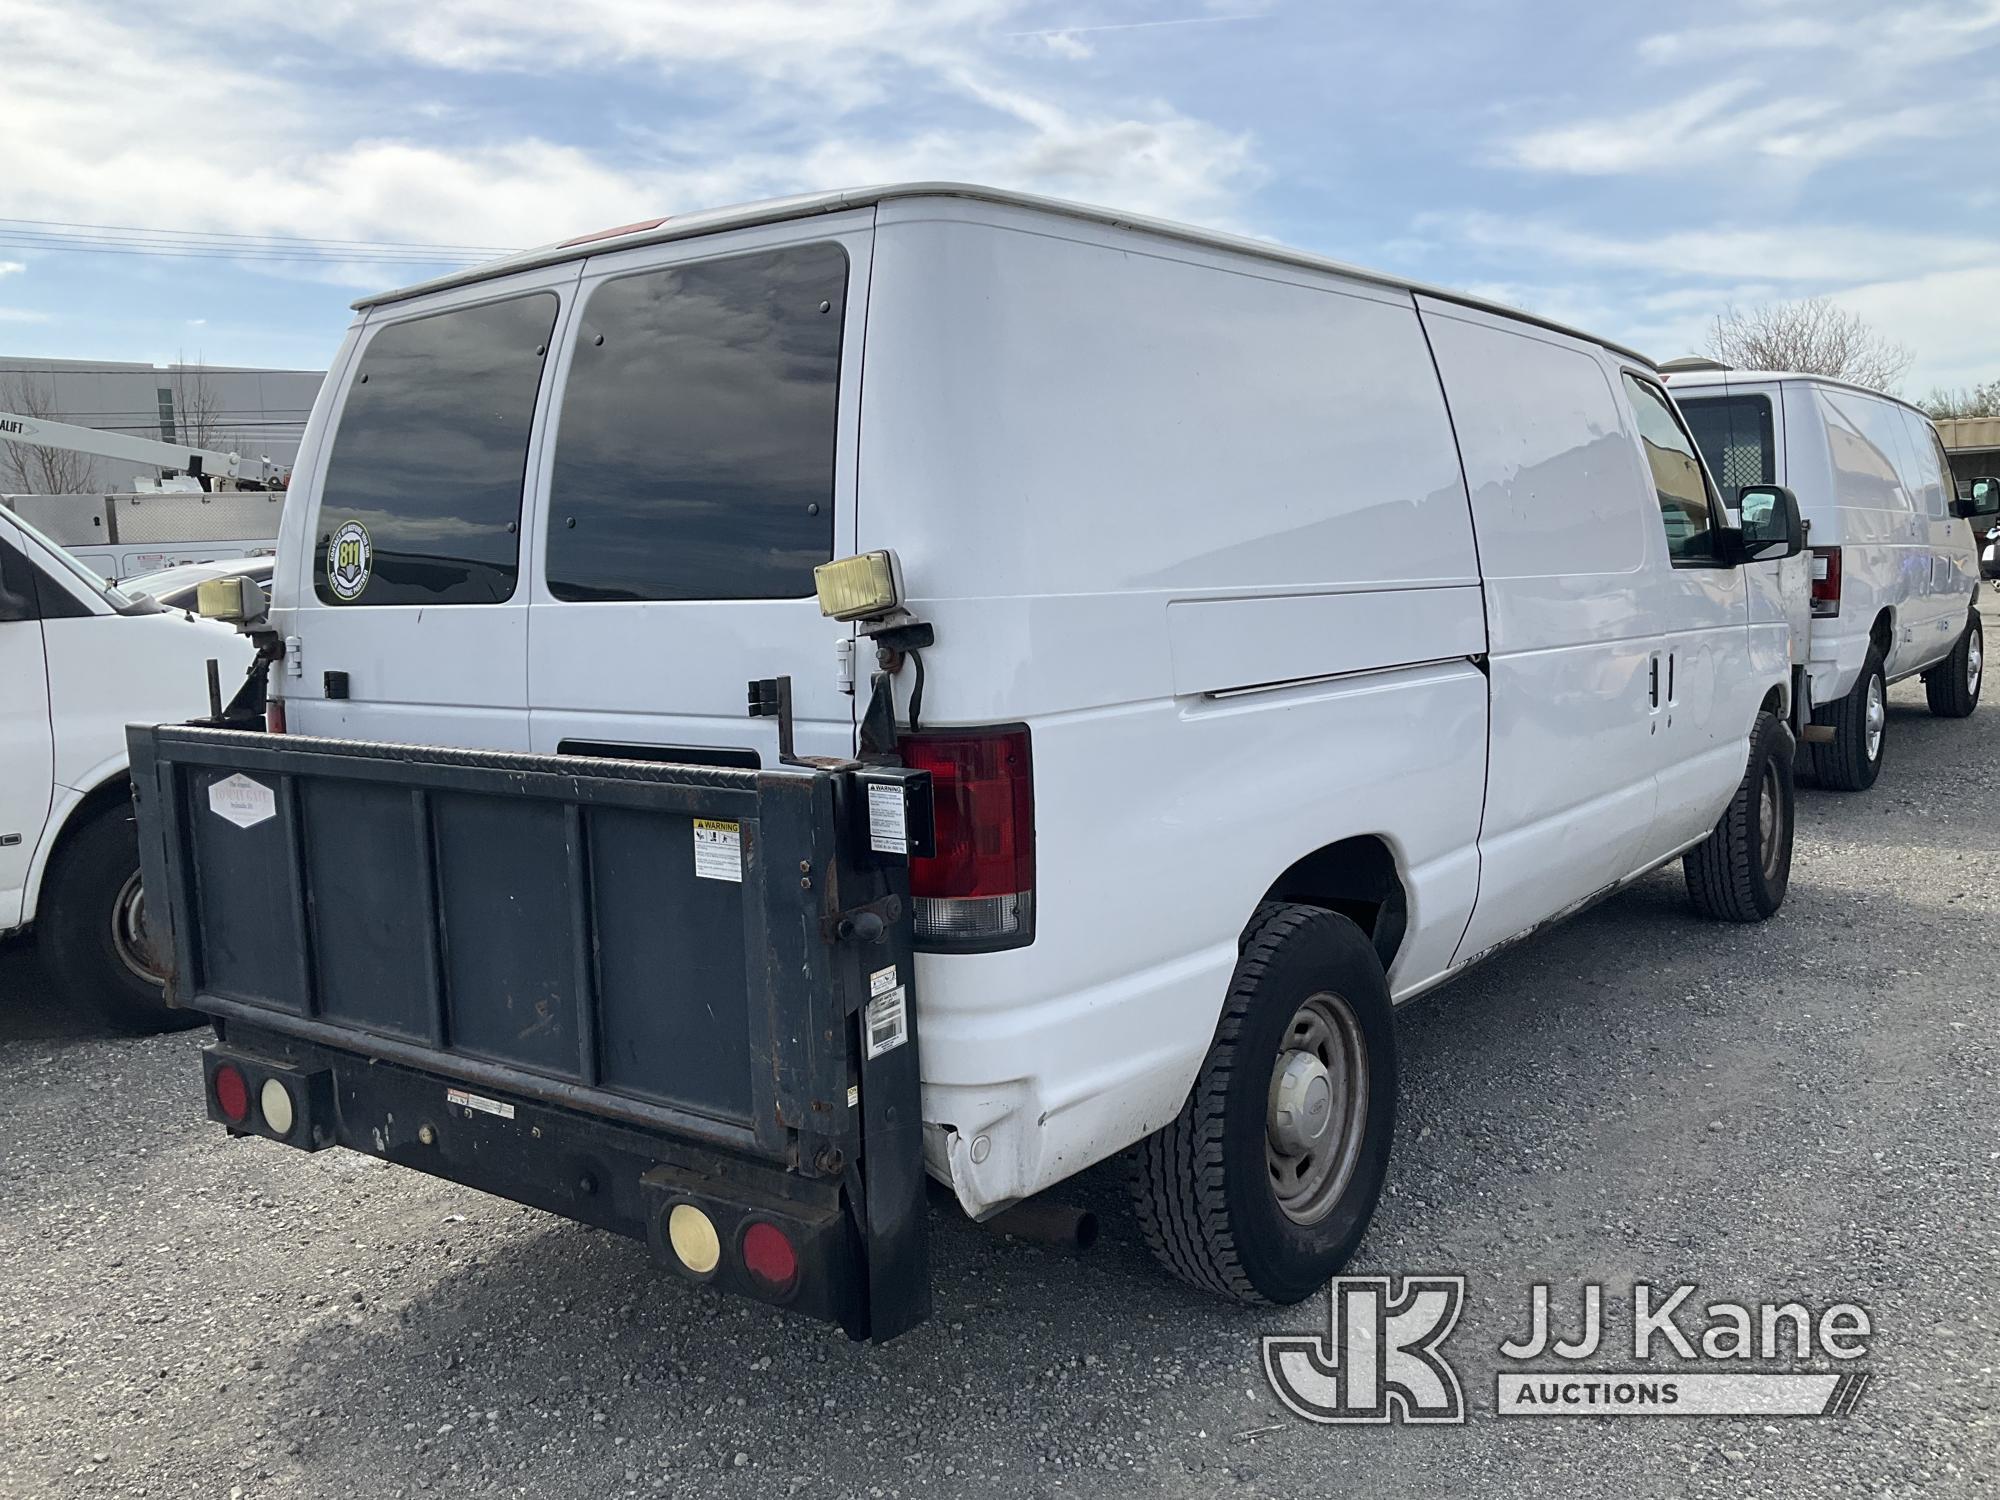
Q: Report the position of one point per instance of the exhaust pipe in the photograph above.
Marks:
(1059, 1226)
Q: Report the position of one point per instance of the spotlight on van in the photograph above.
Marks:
(859, 588)
(240, 601)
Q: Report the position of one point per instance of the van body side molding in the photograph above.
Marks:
(1223, 645)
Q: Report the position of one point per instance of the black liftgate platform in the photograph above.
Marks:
(606, 988)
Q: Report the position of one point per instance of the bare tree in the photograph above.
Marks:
(1815, 337)
(197, 405)
(26, 470)
(1972, 401)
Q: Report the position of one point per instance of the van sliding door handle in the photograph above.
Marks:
(1654, 670)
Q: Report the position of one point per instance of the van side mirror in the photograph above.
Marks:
(1772, 526)
(1983, 499)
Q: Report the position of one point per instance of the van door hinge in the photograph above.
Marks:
(843, 665)
(294, 663)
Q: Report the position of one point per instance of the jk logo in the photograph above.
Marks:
(1379, 1360)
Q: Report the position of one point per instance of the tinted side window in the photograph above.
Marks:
(1686, 506)
(27, 593)
(1867, 442)
(694, 459)
(1736, 438)
(1933, 479)
(431, 452)
(17, 586)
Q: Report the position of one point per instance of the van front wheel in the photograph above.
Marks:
(1741, 871)
(1952, 686)
(92, 927)
(1263, 1185)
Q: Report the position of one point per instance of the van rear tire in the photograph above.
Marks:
(1860, 724)
(1260, 1189)
(90, 927)
(1952, 686)
(1741, 872)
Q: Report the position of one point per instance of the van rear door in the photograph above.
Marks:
(700, 464)
(412, 625)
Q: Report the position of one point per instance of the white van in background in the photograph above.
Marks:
(79, 660)
(1301, 637)
(1895, 570)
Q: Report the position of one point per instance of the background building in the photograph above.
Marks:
(258, 414)
(1973, 446)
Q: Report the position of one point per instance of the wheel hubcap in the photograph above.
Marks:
(1974, 659)
(1318, 1106)
(1877, 717)
(128, 930)
(1770, 813)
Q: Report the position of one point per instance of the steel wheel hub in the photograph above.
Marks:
(1318, 1108)
(1302, 1111)
(1769, 816)
(128, 930)
(1974, 660)
(1877, 717)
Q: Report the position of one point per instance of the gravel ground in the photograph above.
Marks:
(1803, 1110)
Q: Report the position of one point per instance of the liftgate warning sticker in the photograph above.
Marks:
(718, 850)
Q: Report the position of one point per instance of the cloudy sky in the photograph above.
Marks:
(1629, 168)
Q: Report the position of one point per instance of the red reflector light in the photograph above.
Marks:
(1826, 581)
(977, 890)
(232, 1093)
(274, 716)
(769, 1257)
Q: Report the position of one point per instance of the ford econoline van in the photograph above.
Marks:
(1096, 666)
(1895, 569)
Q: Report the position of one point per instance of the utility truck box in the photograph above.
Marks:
(1271, 639)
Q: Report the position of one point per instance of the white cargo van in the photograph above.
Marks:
(1895, 569)
(1278, 638)
(79, 660)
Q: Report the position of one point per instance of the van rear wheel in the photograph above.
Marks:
(1860, 724)
(1741, 872)
(1952, 686)
(1263, 1185)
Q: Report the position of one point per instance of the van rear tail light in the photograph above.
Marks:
(1826, 582)
(977, 892)
(274, 716)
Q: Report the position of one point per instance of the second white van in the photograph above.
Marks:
(1175, 654)
(1895, 569)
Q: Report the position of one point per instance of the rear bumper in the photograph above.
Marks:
(616, 1177)
(1837, 659)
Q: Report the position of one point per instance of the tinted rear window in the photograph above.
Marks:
(1736, 439)
(431, 452)
(695, 453)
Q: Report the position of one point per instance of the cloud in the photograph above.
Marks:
(1951, 318)
(1722, 123)
(1898, 37)
(1792, 93)
(802, 83)
(1794, 254)
(11, 267)
(1937, 293)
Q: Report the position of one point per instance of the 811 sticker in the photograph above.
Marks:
(350, 558)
